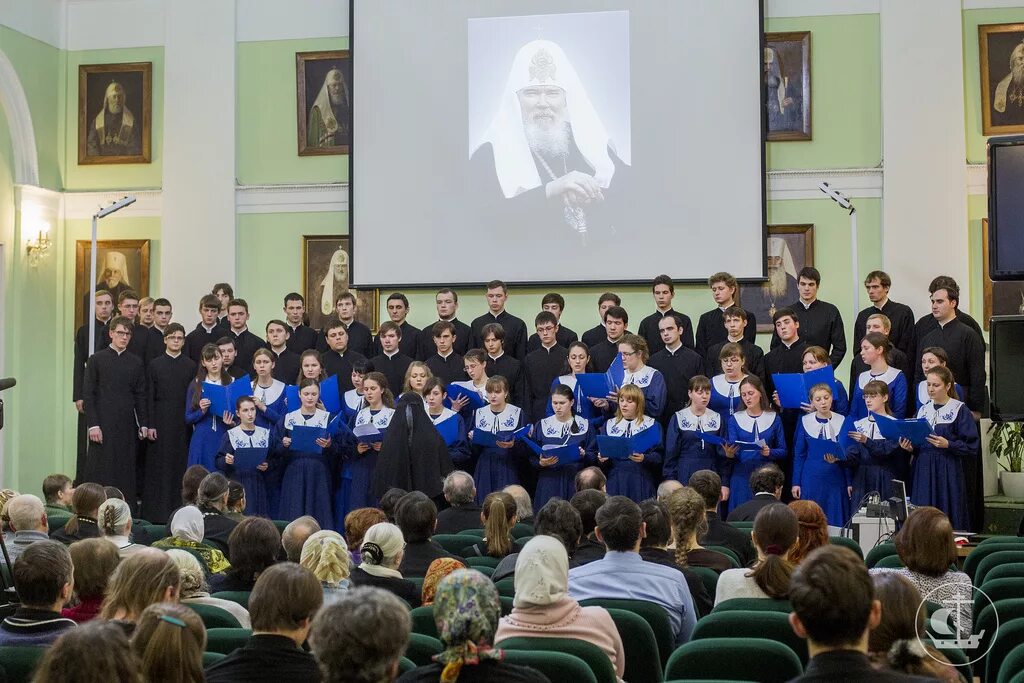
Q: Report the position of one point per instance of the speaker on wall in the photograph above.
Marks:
(1006, 207)
(1006, 358)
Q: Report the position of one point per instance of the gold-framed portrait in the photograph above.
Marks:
(790, 248)
(115, 123)
(787, 85)
(326, 274)
(323, 87)
(1002, 78)
(121, 265)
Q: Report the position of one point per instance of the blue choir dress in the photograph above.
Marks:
(356, 487)
(253, 481)
(559, 480)
(897, 383)
(207, 431)
(819, 480)
(305, 484)
(938, 476)
(496, 467)
(725, 396)
(744, 427)
(637, 481)
(652, 383)
(875, 463)
(452, 429)
(685, 451)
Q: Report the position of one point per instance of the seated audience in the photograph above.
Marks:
(169, 641)
(586, 504)
(356, 524)
(115, 521)
(389, 501)
(96, 651)
(58, 490)
(654, 548)
(86, 500)
(688, 512)
(381, 552)
(142, 579)
(295, 534)
(834, 608)
(190, 482)
(5, 496)
(667, 488)
(236, 501)
(709, 485)
(775, 533)
(623, 574)
(591, 478)
(416, 516)
(254, 544)
(813, 529)
(438, 569)
(195, 590)
(186, 529)
(895, 643)
(45, 579)
(460, 492)
(28, 524)
(524, 506)
(557, 518)
(281, 606)
(326, 555)
(95, 560)
(925, 545)
(213, 503)
(766, 485)
(361, 637)
(466, 611)
(542, 606)
(498, 517)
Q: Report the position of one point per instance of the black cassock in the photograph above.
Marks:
(678, 368)
(542, 367)
(166, 457)
(78, 383)
(821, 324)
(652, 335)
(966, 351)
(515, 332)
(512, 370)
(115, 401)
(563, 337)
(425, 346)
(711, 330)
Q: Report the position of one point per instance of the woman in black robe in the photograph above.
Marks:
(413, 455)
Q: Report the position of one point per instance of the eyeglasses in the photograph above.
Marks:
(627, 354)
(122, 333)
(176, 337)
(546, 328)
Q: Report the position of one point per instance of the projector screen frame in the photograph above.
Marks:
(353, 277)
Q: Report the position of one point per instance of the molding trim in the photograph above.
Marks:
(977, 179)
(19, 118)
(820, 8)
(313, 198)
(803, 184)
(990, 4)
(82, 205)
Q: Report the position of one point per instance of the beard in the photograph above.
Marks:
(336, 97)
(549, 142)
(114, 108)
(777, 284)
(1017, 76)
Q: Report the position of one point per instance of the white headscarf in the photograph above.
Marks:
(323, 101)
(779, 247)
(187, 524)
(120, 513)
(382, 543)
(542, 573)
(542, 62)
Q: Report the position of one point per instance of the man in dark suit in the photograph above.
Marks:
(460, 492)
(709, 485)
(416, 516)
(834, 608)
(766, 483)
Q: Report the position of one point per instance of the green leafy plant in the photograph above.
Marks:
(1007, 445)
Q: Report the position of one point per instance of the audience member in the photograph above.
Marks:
(557, 518)
(169, 641)
(326, 555)
(416, 516)
(295, 534)
(96, 651)
(194, 589)
(464, 513)
(688, 512)
(45, 579)
(58, 491)
(254, 544)
(586, 503)
(895, 643)
(775, 534)
(389, 501)
(356, 524)
(667, 488)
(381, 552)
(709, 485)
(142, 579)
(654, 548)
(5, 496)
(28, 523)
(281, 606)
(361, 637)
(542, 606)
(213, 502)
(813, 529)
(190, 482)
(438, 569)
(466, 611)
(591, 478)
(498, 517)
(186, 529)
(622, 573)
(834, 608)
(95, 560)
(524, 506)
(86, 500)
(925, 545)
(766, 485)
(115, 521)
(236, 501)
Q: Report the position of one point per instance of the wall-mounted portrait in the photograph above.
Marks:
(790, 248)
(1005, 297)
(787, 81)
(120, 265)
(1002, 78)
(324, 96)
(325, 275)
(114, 113)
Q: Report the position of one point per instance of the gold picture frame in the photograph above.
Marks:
(798, 241)
(325, 274)
(1002, 103)
(98, 85)
(128, 261)
(314, 73)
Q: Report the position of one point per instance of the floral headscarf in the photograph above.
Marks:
(439, 568)
(466, 611)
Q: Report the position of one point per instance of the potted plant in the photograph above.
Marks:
(1007, 445)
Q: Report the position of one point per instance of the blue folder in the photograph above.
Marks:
(291, 397)
(818, 448)
(329, 395)
(304, 438)
(710, 437)
(646, 439)
(218, 397)
(248, 459)
(239, 388)
(483, 437)
(456, 392)
(915, 430)
(367, 433)
(794, 388)
(602, 384)
(825, 375)
(567, 454)
(614, 447)
(448, 429)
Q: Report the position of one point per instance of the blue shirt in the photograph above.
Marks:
(626, 576)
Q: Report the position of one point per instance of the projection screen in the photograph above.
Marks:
(556, 141)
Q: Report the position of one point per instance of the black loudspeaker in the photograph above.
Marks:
(1006, 337)
(1006, 207)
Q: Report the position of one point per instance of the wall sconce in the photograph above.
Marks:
(39, 246)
